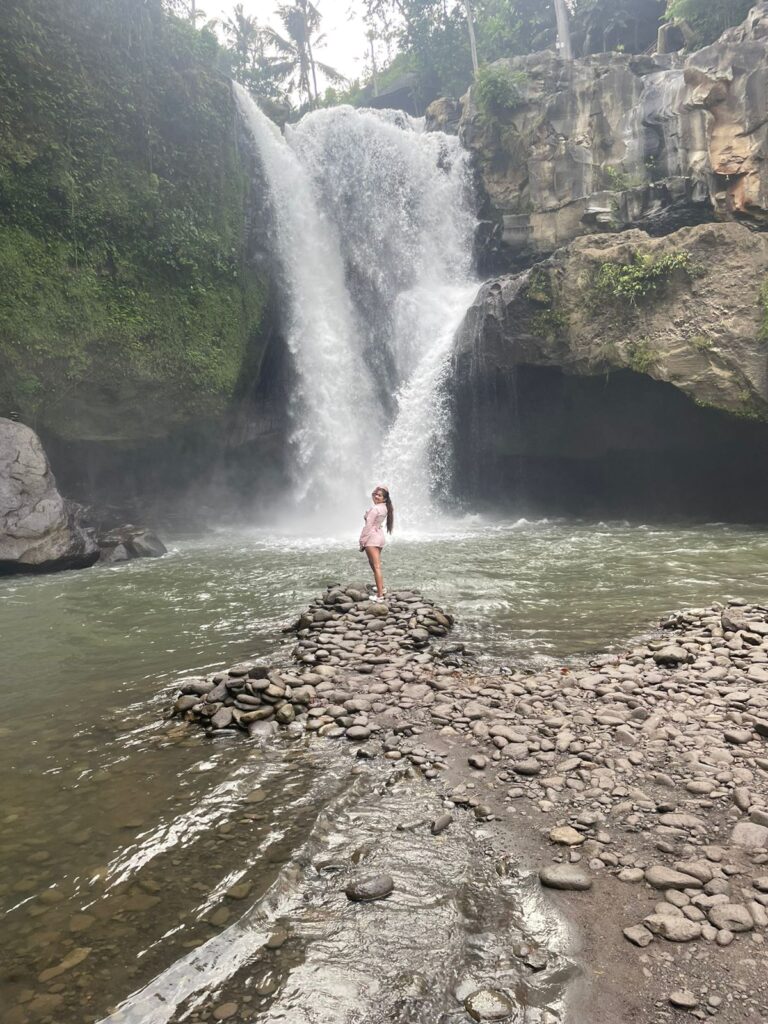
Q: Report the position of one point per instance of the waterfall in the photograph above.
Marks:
(373, 231)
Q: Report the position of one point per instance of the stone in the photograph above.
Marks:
(370, 887)
(39, 530)
(528, 767)
(225, 1011)
(441, 823)
(566, 836)
(750, 836)
(146, 544)
(732, 916)
(358, 733)
(565, 876)
(638, 935)
(490, 1004)
(674, 929)
(72, 959)
(671, 656)
(684, 999)
(661, 877)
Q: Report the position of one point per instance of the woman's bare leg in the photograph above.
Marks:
(374, 558)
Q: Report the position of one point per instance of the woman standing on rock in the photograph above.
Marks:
(372, 537)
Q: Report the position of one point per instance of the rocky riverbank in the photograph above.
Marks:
(639, 780)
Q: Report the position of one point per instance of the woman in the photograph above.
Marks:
(372, 537)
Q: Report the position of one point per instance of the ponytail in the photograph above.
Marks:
(390, 510)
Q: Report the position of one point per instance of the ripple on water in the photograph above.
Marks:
(119, 833)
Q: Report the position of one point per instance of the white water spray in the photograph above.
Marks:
(374, 237)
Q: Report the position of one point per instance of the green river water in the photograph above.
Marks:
(120, 838)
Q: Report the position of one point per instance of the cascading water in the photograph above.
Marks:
(374, 228)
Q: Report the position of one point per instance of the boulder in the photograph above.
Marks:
(40, 531)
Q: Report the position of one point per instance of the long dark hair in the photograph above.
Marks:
(390, 509)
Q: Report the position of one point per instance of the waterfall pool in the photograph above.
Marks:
(138, 869)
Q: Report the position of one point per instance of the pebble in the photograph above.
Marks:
(565, 835)
(684, 999)
(225, 1011)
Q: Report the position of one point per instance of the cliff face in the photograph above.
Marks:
(127, 310)
(612, 141)
(687, 308)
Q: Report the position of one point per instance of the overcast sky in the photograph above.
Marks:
(346, 46)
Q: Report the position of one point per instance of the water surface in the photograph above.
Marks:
(120, 834)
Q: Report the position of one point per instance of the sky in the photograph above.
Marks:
(346, 45)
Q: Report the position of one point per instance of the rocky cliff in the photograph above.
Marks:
(687, 308)
(565, 148)
(620, 365)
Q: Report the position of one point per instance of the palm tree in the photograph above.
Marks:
(301, 21)
(242, 32)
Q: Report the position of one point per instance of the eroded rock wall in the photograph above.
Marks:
(612, 140)
(699, 326)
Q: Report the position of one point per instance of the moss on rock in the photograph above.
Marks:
(126, 306)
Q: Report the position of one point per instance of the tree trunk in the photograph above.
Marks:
(471, 28)
(563, 30)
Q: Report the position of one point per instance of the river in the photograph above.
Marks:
(122, 834)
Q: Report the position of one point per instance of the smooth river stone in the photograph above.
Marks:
(370, 887)
(565, 876)
(489, 1004)
(661, 877)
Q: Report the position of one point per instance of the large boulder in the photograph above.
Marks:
(39, 530)
(612, 140)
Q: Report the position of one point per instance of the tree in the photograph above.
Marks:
(301, 22)
(708, 18)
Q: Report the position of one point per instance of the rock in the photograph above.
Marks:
(358, 733)
(638, 935)
(145, 544)
(737, 736)
(671, 656)
(566, 836)
(490, 1004)
(565, 876)
(222, 718)
(732, 916)
(528, 767)
(750, 836)
(39, 530)
(225, 1011)
(684, 999)
(477, 761)
(72, 959)
(441, 823)
(675, 929)
(370, 887)
(661, 877)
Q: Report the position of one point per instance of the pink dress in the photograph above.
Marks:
(373, 533)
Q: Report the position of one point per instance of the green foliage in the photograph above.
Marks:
(644, 276)
(640, 356)
(499, 88)
(707, 18)
(121, 206)
(616, 180)
(701, 342)
(432, 34)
